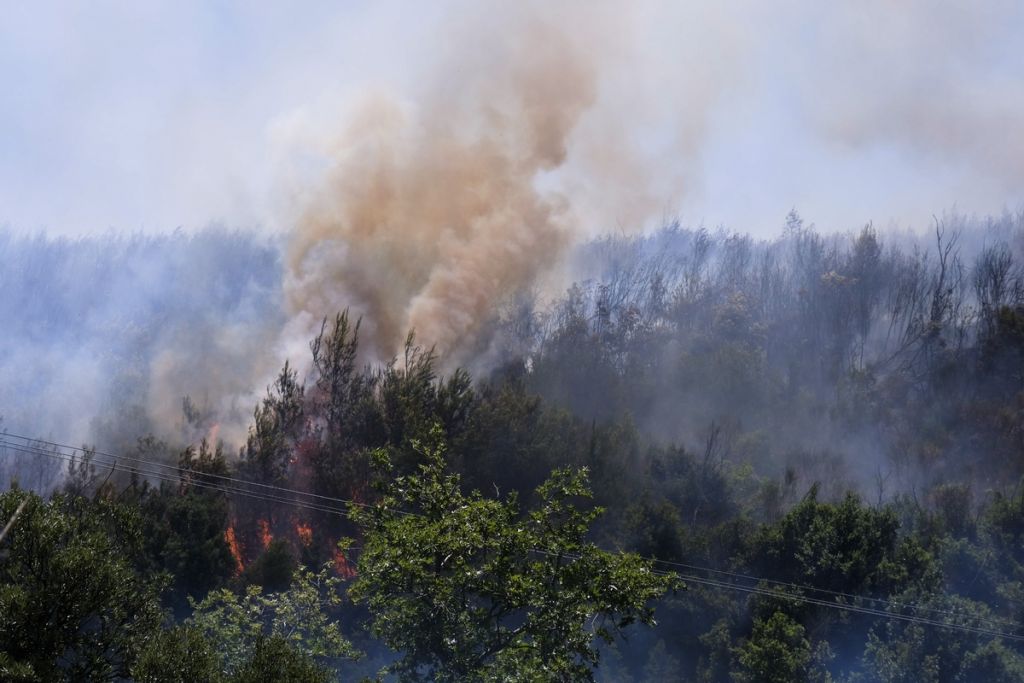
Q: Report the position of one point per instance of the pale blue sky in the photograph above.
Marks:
(153, 115)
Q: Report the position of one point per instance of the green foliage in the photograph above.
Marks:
(339, 387)
(274, 569)
(467, 588)
(82, 474)
(203, 466)
(1003, 522)
(716, 660)
(72, 606)
(183, 655)
(299, 616)
(656, 529)
(992, 662)
(276, 426)
(275, 659)
(184, 535)
(898, 652)
(1002, 347)
(845, 547)
(514, 440)
(777, 652)
(177, 655)
(777, 346)
(16, 672)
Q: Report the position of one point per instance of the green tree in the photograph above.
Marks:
(846, 546)
(274, 659)
(183, 655)
(777, 652)
(298, 616)
(184, 535)
(901, 652)
(992, 662)
(468, 589)
(183, 524)
(654, 530)
(72, 606)
(274, 569)
(276, 426)
(177, 655)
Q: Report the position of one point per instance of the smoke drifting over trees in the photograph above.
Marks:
(815, 353)
(530, 128)
(111, 333)
(431, 214)
(477, 315)
(835, 412)
(442, 200)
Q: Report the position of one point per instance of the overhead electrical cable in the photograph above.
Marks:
(176, 468)
(167, 473)
(168, 478)
(824, 591)
(885, 614)
(326, 507)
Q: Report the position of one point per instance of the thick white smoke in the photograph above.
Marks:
(432, 210)
(528, 125)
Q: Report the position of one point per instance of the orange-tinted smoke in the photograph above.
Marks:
(434, 211)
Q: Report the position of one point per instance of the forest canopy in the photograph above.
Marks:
(795, 458)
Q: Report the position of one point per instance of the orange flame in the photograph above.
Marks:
(265, 536)
(236, 552)
(304, 532)
(342, 566)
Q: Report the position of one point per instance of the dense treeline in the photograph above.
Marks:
(834, 418)
(884, 366)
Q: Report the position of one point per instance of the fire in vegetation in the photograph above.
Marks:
(342, 566)
(304, 532)
(236, 552)
(247, 542)
(265, 534)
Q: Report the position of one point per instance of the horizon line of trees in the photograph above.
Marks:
(833, 412)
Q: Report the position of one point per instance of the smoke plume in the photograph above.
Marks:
(524, 128)
(434, 210)
(938, 80)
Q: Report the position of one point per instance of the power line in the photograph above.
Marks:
(161, 476)
(781, 594)
(164, 477)
(29, 447)
(174, 480)
(178, 469)
(826, 591)
(859, 609)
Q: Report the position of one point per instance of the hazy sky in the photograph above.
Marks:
(154, 115)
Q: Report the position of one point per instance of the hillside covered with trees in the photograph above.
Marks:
(711, 458)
